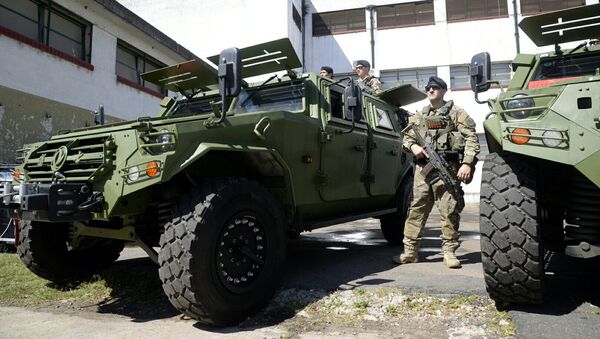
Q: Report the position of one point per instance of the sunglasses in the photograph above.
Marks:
(359, 67)
(435, 88)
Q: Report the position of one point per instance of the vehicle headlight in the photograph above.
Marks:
(552, 138)
(517, 103)
(133, 173)
(166, 139)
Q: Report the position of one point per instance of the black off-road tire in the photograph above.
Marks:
(211, 251)
(44, 250)
(392, 225)
(511, 249)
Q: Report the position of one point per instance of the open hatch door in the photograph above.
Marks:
(268, 57)
(194, 74)
(578, 23)
(402, 95)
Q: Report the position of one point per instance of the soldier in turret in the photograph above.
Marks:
(366, 81)
(452, 133)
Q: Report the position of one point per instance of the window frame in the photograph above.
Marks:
(475, 18)
(419, 73)
(43, 23)
(545, 11)
(316, 17)
(406, 4)
(145, 59)
(504, 82)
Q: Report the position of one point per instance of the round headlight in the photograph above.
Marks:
(552, 138)
(517, 103)
(165, 139)
(133, 173)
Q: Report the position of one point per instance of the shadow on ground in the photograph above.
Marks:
(136, 291)
(570, 282)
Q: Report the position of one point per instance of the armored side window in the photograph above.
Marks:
(194, 106)
(336, 104)
(382, 119)
(561, 67)
(282, 97)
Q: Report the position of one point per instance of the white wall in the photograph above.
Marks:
(36, 72)
(207, 27)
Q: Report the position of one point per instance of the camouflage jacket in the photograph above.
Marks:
(373, 83)
(461, 123)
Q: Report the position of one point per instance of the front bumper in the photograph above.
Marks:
(49, 202)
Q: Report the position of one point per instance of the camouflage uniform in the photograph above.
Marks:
(372, 83)
(425, 194)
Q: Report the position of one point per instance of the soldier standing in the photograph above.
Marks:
(365, 80)
(453, 137)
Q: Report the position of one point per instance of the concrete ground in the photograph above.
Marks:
(347, 256)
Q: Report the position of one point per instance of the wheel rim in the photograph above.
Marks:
(241, 252)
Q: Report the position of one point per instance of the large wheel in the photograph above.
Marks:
(392, 225)
(222, 255)
(511, 251)
(44, 249)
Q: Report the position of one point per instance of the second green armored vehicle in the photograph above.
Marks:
(540, 186)
(217, 180)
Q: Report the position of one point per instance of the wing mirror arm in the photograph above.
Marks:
(480, 73)
(352, 105)
(230, 78)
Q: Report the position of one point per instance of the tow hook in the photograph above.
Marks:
(93, 203)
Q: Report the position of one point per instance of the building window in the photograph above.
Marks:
(297, 18)
(48, 24)
(132, 62)
(352, 20)
(457, 10)
(417, 77)
(501, 72)
(460, 79)
(536, 6)
(406, 14)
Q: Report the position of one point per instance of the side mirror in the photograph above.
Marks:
(99, 116)
(230, 77)
(480, 72)
(352, 106)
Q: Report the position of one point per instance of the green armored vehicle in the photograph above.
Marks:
(540, 185)
(218, 180)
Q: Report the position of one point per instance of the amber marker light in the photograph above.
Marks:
(152, 169)
(520, 136)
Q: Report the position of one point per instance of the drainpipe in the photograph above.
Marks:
(371, 10)
(304, 10)
(515, 15)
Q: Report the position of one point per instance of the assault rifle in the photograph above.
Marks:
(437, 162)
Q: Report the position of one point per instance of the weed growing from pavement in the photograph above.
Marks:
(359, 307)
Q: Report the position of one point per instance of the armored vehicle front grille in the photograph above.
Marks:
(75, 159)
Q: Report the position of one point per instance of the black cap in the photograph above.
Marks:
(327, 69)
(363, 63)
(436, 81)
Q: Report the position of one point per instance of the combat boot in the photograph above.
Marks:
(409, 256)
(450, 260)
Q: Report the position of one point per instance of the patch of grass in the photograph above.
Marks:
(502, 323)
(461, 300)
(129, 285)
(359, 291)
(361, 305)
(19, 286)
(392, 310)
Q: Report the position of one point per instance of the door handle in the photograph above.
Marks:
(261, 127)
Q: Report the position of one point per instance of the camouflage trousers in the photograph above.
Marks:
(424, 197)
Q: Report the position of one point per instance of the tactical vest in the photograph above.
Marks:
(440, 130)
